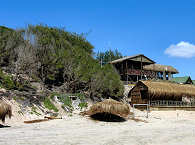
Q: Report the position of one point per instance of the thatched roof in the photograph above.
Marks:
(133, 58)
(160, 68)
(5, 110)
(109, 106)
(167, 89)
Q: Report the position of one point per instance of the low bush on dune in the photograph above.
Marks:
(49, 105)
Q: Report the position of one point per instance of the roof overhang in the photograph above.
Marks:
(138, 58)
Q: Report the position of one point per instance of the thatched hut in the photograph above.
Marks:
(161, 68)
(164, 72)
(110, 106)
(5, 110)
(146, 91)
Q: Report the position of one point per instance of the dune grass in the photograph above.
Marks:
(49, 105)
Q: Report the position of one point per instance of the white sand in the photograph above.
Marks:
(163, 128)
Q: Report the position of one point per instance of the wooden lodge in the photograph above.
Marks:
(140, 67)
(162, 93)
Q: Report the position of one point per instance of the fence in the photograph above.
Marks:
(160, 103)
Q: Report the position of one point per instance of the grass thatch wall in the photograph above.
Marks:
(110, 106)
(162, 89)
(5, 110)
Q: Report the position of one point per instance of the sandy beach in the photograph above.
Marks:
(162, 128)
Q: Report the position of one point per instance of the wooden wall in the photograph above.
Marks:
(136, 96)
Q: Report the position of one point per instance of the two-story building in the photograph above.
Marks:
(140, 67)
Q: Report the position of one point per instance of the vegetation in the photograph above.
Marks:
(107, 56)
(6, 81)
(83, 105)
(67, 102)
(34, 111)
(58, 58)
(20, 112)
(53, 94)
(9, 82)
(49, 105)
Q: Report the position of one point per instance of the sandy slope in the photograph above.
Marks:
(163, 128)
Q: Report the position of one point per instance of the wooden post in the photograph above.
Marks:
(164, 75)
(170, 76)
(141, 67)
(122, 73)
(101, 62)
(127, 72)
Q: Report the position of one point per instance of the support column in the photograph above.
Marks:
(164, 75)
(141, 68)
(170, 75)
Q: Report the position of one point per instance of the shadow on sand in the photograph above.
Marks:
(107, 117)
(4, 126)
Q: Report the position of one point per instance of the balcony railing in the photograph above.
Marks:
(147, 73)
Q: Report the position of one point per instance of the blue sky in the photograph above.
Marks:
(163, 30)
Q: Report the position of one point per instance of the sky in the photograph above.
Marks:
(163, 30)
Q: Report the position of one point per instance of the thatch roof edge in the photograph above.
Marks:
(162, 88)
(160, 68)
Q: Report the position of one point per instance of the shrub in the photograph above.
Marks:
(49, 105)
(54, 94)
(67, 102)
(34, 111)
(83, 105)
(6, 81)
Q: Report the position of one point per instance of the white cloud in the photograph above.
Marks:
(182, 49)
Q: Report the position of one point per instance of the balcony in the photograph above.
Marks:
(138, 72)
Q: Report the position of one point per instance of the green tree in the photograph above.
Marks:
(108, 56)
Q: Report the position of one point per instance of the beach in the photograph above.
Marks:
(161, 128)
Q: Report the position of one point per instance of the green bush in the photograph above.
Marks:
(54, 94)
(83, 105)
(6, 81)
(34, 111)
(67, 102)
(49, 105)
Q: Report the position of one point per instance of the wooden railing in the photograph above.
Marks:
(139, 72)
(159, 103)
